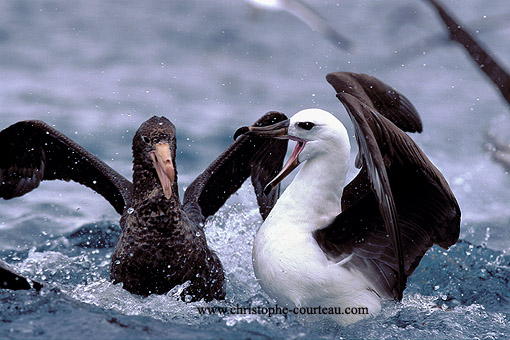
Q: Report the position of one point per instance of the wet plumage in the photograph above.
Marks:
(162, 243)
(324, 244)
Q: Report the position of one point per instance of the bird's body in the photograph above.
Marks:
(160, 246)
(162, 243)
(326, 245)
(288, 261)
(178, 251)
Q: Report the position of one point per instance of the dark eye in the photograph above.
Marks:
(306, 125)
(146, 139)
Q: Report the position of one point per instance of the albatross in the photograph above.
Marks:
(162, 243)
(326, 245)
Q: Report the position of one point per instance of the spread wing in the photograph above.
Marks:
(259, 158)
(485, 62)
(32, 151)
(403, 207)
(385, 100)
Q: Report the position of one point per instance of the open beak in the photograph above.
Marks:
(280, 131)
(162, 159)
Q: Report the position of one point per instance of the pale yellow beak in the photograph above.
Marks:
(279, 131)
(162, 159)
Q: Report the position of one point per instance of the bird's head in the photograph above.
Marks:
(315, 131)
(154, 147)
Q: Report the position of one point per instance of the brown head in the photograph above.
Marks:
(154, 147)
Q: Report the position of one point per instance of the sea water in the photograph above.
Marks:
(95, 70)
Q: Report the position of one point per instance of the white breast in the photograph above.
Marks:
(293, 270)
(288, 262)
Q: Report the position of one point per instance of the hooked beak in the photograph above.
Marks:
(162, 160)
(280, 131)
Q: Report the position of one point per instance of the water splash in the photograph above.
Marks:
(462, 292)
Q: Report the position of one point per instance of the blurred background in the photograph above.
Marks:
(97, 69)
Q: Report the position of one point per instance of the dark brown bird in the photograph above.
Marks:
(162, 243)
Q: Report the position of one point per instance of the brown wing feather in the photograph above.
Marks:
(259, 158)
(33, 151)
(383, 98)
(426, 211)
(374, 163)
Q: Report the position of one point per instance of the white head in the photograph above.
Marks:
(321, 132)
(317, 133)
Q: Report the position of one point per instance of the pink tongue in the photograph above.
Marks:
(295, 153)
(291, 164)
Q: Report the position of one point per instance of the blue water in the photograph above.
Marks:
(96, 69)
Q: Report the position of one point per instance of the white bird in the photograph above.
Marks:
(324, 246)
(306, 14)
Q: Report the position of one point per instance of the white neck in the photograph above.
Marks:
(312, 205)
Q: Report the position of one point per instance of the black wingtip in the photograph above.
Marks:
(12, 280)
(37, 286)
(241, 131)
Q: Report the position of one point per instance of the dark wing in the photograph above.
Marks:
(383, 98)
(9, 279)
(32, 151)
(485, 62)
(409, 208)
(259, 158)
(437, 40)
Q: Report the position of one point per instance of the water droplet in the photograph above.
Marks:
(130, 211)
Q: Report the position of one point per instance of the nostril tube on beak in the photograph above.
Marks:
(162, 160)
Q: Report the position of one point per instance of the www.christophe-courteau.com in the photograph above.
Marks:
(277, 310)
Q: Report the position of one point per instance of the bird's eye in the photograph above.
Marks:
(146, 139)
(306, 125)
